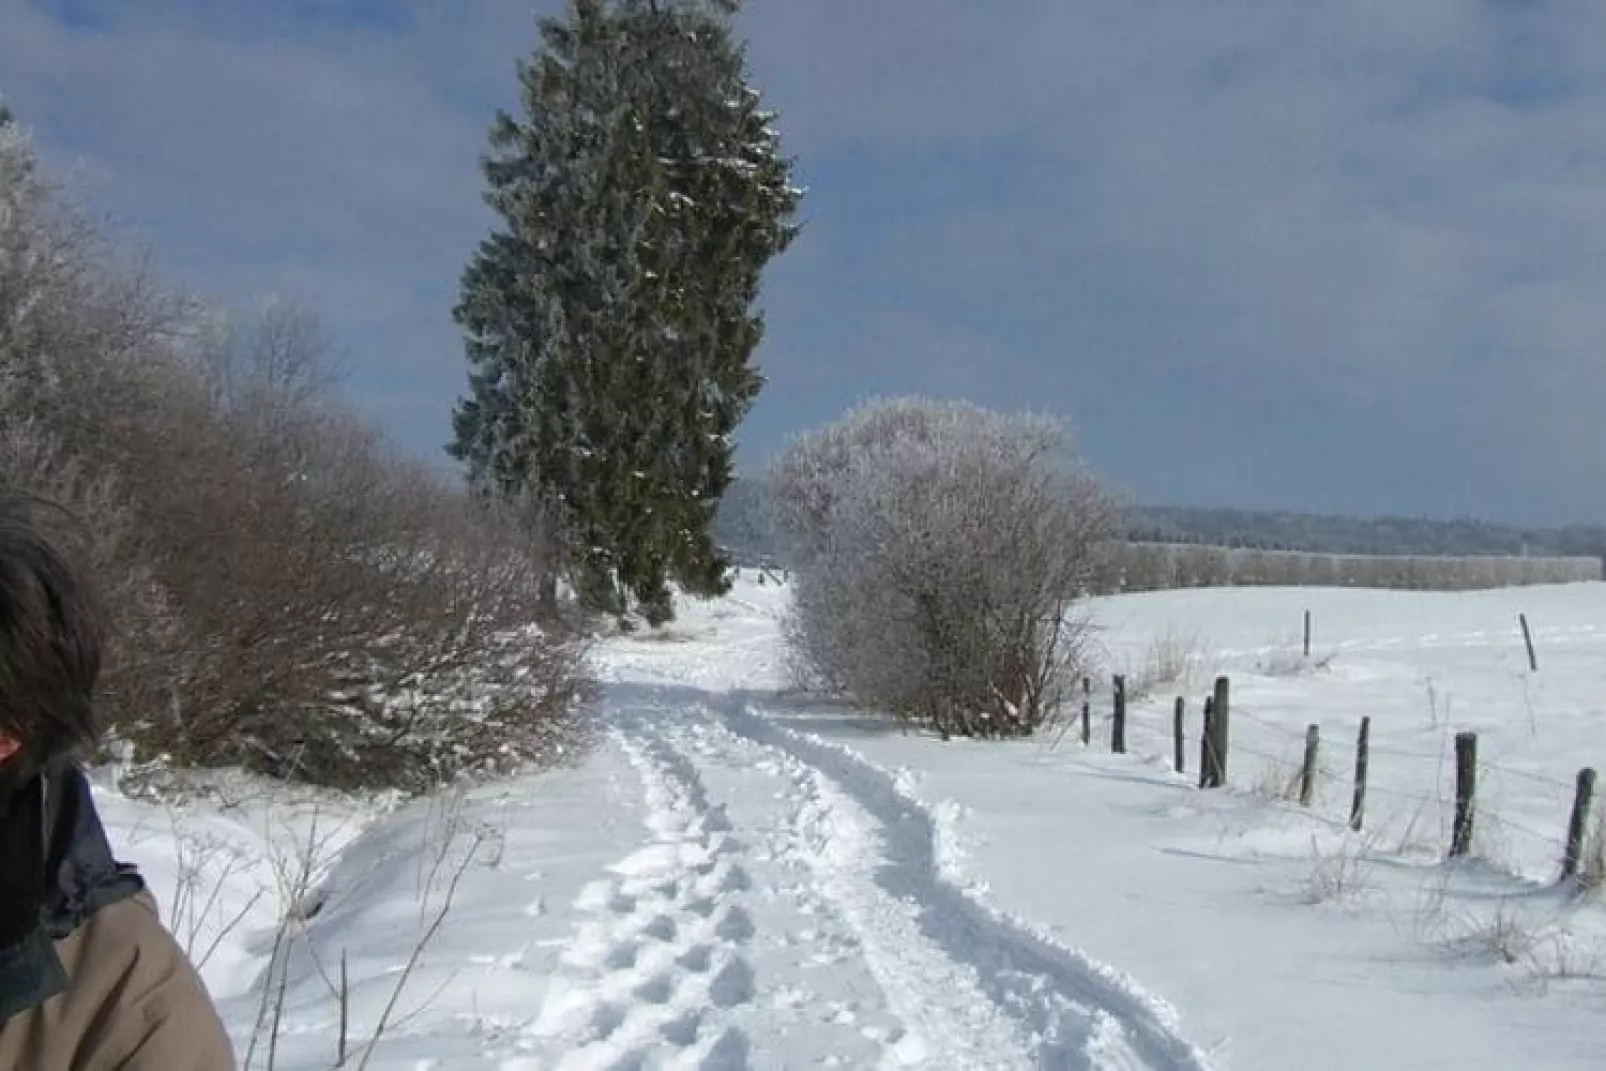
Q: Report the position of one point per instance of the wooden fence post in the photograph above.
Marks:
(1578, 825)
(1528, 640)
(1307, 770)
(1178, 735)
(1363, 746)
(1307, 633)
(1087, 711)
(1220, 714)
(1204, 743)
(345, 1013)
(1118, 730)
(1466, 790)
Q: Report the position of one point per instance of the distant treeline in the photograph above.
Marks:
(1141, 566)
(1416, 537)
(1188, 547)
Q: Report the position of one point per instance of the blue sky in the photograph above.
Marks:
(1344, 257)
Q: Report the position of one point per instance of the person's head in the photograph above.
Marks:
(51, 633)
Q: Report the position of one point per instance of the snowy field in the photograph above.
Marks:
(740, 878)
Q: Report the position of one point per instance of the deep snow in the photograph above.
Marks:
(738, 877)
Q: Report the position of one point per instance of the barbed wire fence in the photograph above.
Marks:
(1463, 814)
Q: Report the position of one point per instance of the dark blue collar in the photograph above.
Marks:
(56, 846)
(30, 973)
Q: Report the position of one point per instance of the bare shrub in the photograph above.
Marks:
(306, 967)
(287, 593)
(1173, 659)
(1503, 937)
(1341, 876)
(207, 867)
(1287, 659)
(1518, 933)
(366, 624)
(82, 331)
(1277, 781)
(284, 353)
(940, 551)
(1430, 910)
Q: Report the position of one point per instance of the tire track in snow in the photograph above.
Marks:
(1077, 1012)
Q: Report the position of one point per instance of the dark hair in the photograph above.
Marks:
(51, 634)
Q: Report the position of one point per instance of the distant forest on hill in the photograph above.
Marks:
(1418, 536)
(742, 528)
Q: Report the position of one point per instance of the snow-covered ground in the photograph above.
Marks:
(741, 878)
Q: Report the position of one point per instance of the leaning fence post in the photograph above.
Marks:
(1528, 640)
(1307, 771)
(1118, 730)
(1204, 743)
(1363, 744)
(1466, 790)
(1578, 825)
(1178, 735)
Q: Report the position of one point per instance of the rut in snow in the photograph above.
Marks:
(975, 987)
(1077, 1012)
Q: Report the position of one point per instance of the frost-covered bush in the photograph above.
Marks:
(939, 549)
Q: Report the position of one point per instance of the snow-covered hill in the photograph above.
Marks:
(739, 877)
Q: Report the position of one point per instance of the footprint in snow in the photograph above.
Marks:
(696, 959)
(735, 926)
(661, 928)
(682, 1030)
(656, 990)
(734, 879)
(732, 984)
(606, 1021)
(730, 1052)
(717, 820)
(622, 957)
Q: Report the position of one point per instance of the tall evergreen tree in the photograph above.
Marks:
(610, 319)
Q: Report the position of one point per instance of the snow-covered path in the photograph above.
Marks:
(737, 879)
(790, 911)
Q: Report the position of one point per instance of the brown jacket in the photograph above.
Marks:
(133, 1003)
(90, 979)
